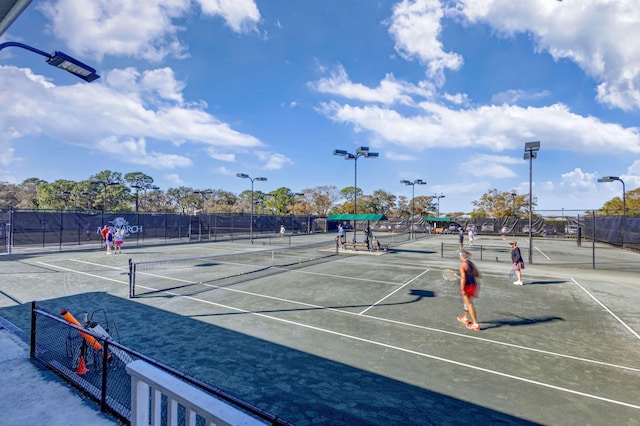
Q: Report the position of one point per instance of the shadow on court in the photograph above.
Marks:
(297, 386)
(519, 321)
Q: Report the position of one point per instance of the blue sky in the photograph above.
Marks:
(193, 92)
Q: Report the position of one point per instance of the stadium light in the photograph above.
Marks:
(259, 179)
(437, 197)
(413, 204)
(624, 203)
(363, 151)
(60, 60)
(530, 152)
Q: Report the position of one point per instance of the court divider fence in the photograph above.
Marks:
(86, 355)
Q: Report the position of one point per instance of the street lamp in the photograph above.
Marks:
(293, 207)
(204, 195)
(624, 203)
(530, 152)
(137, 188)
(60, 60)
(363, 151)
(104, 194)
(413, 205)
(145, 201)
(437, 197)
(259, 179)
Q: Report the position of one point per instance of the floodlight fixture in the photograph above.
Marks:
(60, 60)
(260, 179)
(530, 153)
(624, 202)
(413, 205)
(362, 151)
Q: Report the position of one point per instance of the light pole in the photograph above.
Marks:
(259, 179)
(145, 201)
(104, 194)
(437, 197)
(624, 203)
(137, 188)
(60, 60)
(530, 152)
(363, 151)
(413, 198)
(204, 195)
(293, 207)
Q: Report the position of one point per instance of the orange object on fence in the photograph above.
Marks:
(72, 320)
(82, 367)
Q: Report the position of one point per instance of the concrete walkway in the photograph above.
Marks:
(34, 395)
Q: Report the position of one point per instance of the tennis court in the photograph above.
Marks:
(360, 338)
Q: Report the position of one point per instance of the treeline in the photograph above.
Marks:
(136, 191)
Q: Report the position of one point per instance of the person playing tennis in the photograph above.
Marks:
(468, 289)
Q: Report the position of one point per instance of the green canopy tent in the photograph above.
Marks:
(343, 217)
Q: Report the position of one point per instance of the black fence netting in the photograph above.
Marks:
(85, 353)
(60, 230)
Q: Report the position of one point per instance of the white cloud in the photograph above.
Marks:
(415, 27)
(135, 110)
(137, 28)
(389, 91)
(273, 161)
(578, 180)
(598, 35)
(493, 166)
(493, 127)
(134, 28)
(391, 155)
(135, 152)
(173, 178)
(241, 16)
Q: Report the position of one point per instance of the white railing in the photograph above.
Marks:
(149, 384)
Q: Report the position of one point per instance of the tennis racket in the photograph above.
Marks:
(450, 275)
(512, 274)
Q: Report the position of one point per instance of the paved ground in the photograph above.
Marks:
(373, 339)
(33, 395)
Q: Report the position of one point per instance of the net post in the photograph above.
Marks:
(131, 279)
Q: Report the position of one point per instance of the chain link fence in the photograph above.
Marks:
(86, 355)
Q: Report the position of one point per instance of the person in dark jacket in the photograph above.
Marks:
(516, 260)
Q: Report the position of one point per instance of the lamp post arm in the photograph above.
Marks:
(24, 46)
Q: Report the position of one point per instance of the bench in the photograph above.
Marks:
(354, 245)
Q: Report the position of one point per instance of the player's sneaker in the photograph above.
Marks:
(518, 283)
(464, 320)
(475, 327)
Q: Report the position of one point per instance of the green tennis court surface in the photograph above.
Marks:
(373, 339)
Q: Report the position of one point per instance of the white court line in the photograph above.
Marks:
(436, 330)
(396, 290)
(83, 273)
(606, 309)
(469, 366)
(542, 253)
(410, 351)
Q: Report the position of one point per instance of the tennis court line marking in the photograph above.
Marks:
(85, 273)
(394, 291)
(434, 357)
(542, 253)
(349, 313)
(437, 358)
(606, 309)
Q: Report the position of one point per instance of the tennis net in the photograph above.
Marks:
(172, 275)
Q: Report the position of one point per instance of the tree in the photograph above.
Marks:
(183, 199)
(320, 199)
(631, 203)
(502, 204)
